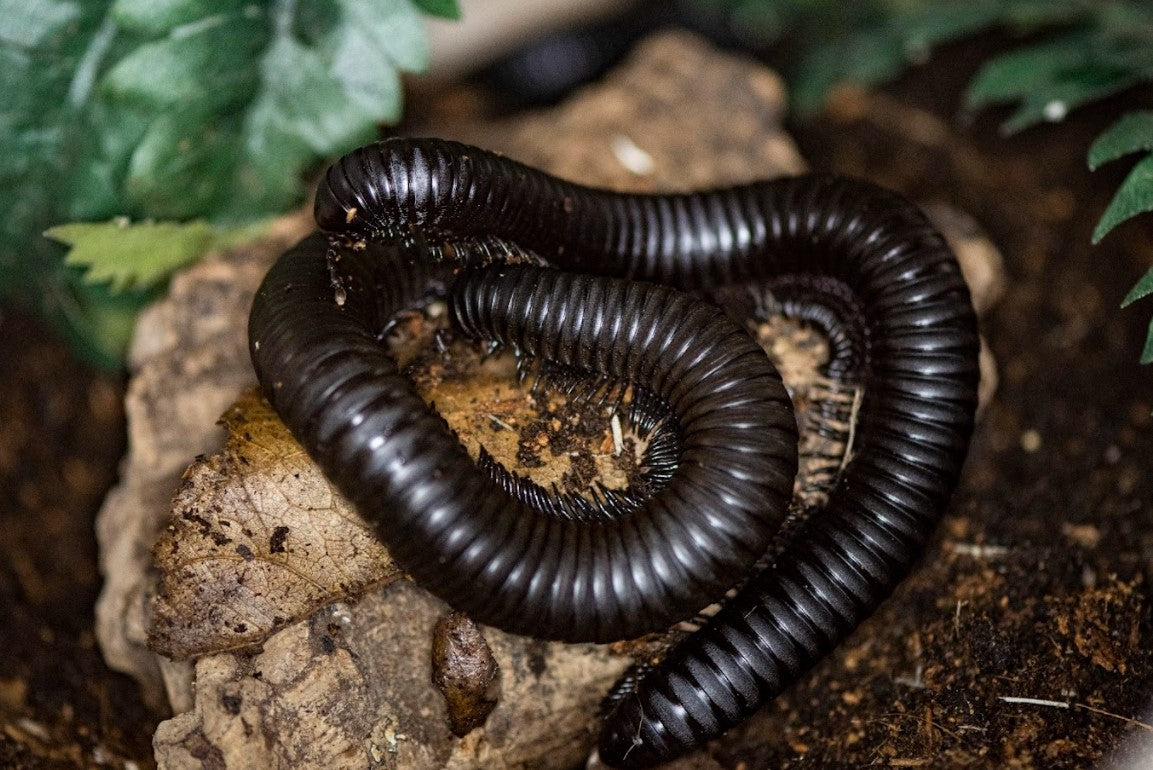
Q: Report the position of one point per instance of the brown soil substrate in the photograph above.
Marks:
(1034, 588)
(61, 436)
(1036, 585)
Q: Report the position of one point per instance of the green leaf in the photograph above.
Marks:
(1132, 133)
(234, 134)
(132, 256)
(447, 9)
(95, 168)
(868, 59)
(1028, 15)
(49, 53)
(1143, 288)
(928, 25)
(28, 24)
(374, 36)
(1147, 353)
(1018, 74)
(1054, 101)
(157, 17)
(1134, 197)
(879, 51)
(302, 101)
(97, 322)
(210, 66)
(1052, 78)
(819, 72)
(181, 165)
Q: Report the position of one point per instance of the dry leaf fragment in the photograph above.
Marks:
(258, 539)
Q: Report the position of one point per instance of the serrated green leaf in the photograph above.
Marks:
(447, 9)
(1133, 197)
(310, 93)
(240, 235)
(1054, 101)
(874, 53)
(158, 17)
(1018, 74)
(926, 26)
(1143, 288)
(1147, 353)
(102, 153)
(1132, 133)
(126, 256)
(211, 66)
(181, 164)
(27, 25)
(301, 99)
(819, 72)
(875, 58)
(382, 34)
(1123, 18)
(97, 322)
(364, 66)
(866, 58)
(1031, 14)
(1127, 54)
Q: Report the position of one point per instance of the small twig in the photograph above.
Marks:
(497, 421)
(1083, 706)
(1123, 718)
(1057, 704)
(854, 412)
(979, 551)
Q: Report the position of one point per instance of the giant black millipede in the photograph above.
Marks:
(913, 344)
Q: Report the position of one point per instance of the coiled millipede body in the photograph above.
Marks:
(913, 342)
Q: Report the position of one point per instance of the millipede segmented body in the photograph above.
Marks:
(463, 536)
(912, 341)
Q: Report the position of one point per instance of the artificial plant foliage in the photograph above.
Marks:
(128, 256)
(1133, 133)
(1143, 288)
(1071, 53)
(445, 8)
(203, 111)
